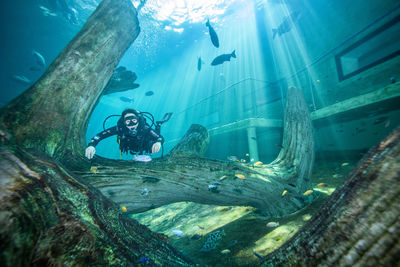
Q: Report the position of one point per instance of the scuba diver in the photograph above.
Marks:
(134, 135)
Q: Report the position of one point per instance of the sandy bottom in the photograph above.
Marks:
(246, 236)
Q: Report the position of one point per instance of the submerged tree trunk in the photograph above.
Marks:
(359, 224)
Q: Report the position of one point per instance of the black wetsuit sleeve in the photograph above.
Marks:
(102, 135)
(155, 137)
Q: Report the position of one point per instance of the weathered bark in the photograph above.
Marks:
(49, 217)
(359, 224)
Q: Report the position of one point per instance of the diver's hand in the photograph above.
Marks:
(90, 151)
(156, 147)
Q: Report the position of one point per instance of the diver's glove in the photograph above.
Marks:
(90, 151)
(156, 147)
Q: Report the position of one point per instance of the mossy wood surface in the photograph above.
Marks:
(359, 224)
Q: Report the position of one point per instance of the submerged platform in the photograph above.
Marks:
(367, 105)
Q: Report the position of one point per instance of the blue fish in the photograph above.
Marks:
(199, 63)
(222, 58)
(177, 232)
(143, 259)
(258, 255)
(213, 34)
(39, 58)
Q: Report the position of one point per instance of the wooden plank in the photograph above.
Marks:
(388, 92)
(244, 124)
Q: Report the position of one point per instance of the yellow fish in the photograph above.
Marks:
(284, 192)
(241, 176)
(308, 192)
(322, 185)
(94, 169)
(247, 155)
(258, 163)
(123, 208)
(242, 160)
(225, 251)
(223, 177)
(345, 164)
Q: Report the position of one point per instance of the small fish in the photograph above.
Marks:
(225, 251)
(21, 79)
(278, 238)
(322, 185)
(247, 155)
(126, 99)
(144, 192)
(318, 81)
(143, 260)
(199, 63)
(306, 217)
(222, 58)
(149, 93)
(223, 177)
(177, 232)
(337, 176)
(273, 224)
(258, 163)
(123, 208)
(201, 227)
(214, 187)
(308, 192)
(243, 160)
(284, 192)
(257, 255)
(232, 158)
(345, 164)
(392, 79)
(387, 123)
(213, 34)
(241, 176)
(39, 58)
(94, 169)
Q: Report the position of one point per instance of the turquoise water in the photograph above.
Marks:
(277, 44)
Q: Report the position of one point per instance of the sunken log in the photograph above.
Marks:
(359, 223)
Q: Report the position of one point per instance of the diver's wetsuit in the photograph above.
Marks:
(143, 140)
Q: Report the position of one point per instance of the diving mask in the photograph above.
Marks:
(131, 121)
